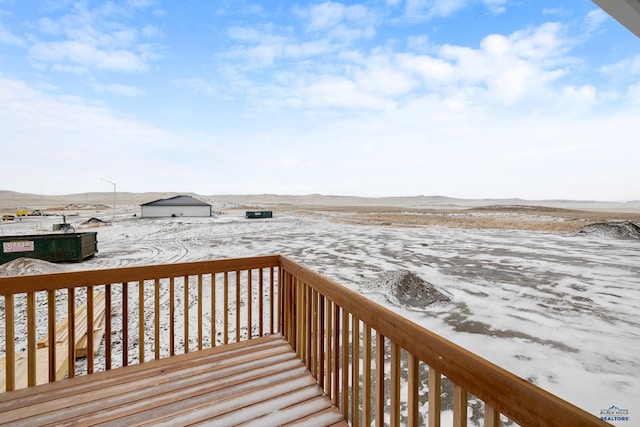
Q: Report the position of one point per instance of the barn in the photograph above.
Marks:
(175, 206)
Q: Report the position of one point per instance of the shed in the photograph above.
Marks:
(175, 206)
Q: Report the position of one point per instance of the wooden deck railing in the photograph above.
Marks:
(374, 365)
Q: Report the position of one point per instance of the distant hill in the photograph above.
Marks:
(10, 200)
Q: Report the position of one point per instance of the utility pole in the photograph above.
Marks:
(114, 195)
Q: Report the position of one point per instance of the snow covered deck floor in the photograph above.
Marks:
(258, 382)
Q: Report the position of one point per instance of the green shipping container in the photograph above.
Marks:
(67, 247)
(258, 214)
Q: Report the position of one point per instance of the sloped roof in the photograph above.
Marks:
(181, 200)
(627, 12)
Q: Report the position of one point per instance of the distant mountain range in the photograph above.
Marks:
(12, 199)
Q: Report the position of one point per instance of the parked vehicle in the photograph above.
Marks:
(8, 217)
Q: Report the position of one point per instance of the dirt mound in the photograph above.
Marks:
(94, 222)
(614, 230)
(29, 266)
(86, 206)
(406, 288)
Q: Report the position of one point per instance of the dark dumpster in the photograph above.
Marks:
(258, 214)
(67, 247)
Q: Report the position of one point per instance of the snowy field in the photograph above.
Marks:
(560, 310)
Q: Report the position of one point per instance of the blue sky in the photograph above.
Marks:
(465, 98)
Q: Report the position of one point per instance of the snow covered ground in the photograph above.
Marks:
(560, 310)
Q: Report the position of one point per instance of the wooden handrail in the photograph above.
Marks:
(43, 282)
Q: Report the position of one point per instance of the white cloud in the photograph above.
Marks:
(119, 89)
(511, 66)
(294, 163)
(140, 4)
(555, 11)
(198, 85)
(595, 19)
(503, 70)
(633, 94)
(496, 6)
(7, 37)
(327, 15)
(418, 10)
(628, 67)
(337, 92)
(382, 78)
(88, 56)
(337, 22)
(583, 94)
(97, 38)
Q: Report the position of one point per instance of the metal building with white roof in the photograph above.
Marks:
(175, 206)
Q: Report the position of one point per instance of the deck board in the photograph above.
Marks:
(258, 382)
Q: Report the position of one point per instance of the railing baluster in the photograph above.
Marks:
(51, 307)
(156, 318)
(226, 308)
(336, 355)
(272, 300)
(459, 406)
(290, 308)
(107, 327)
(71, 326)
(279, 315)
(344, 386)
(261, 302)
(31, 339)
(328, 353)
(185, 299)
(10, 350)
(125, 323)
(89, 332)
(380, 404)
(141, 321)
(435, 404)
(249, 305)
(355, 368)
(366, 376)
(200, 301)
(295, 298)
(413, 385)
(315, 333)
(394, 381)
(321, 340)
(491, 417)
(172, 297)
(237, 310)
(308, 326)
(304, 322)
(213, 310)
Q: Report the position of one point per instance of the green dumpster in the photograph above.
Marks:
(258, 214)
(67, 247)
